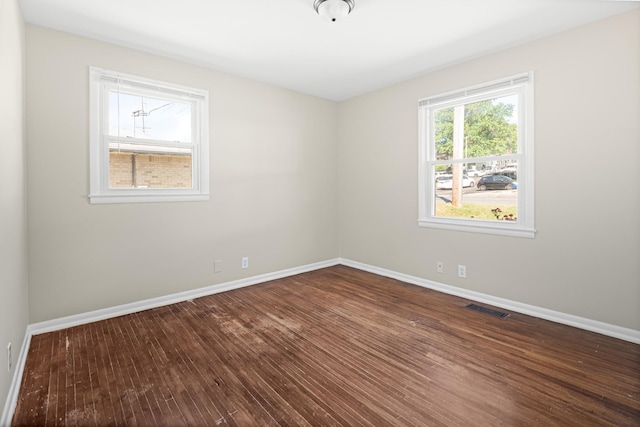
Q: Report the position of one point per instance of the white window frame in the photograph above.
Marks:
(524, 226)
(100, 82)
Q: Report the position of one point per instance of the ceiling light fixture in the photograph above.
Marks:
(332, 10)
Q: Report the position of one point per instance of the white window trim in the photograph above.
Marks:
(99, 191)
(525, 225)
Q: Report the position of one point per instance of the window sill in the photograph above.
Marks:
(146, 198)
(499, 228)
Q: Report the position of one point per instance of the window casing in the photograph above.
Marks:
(477, 131)
(148, 140)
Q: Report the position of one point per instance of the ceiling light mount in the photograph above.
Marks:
(333, 10)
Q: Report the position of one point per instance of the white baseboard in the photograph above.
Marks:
(607, 329)
(120, 310)
(626, 334)
(14, 388)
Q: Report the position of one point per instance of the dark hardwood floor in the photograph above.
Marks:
(335, 346)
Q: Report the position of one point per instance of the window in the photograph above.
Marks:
(476, 158)
(148, 140)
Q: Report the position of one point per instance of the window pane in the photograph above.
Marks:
(490, 129)
(493, 195)
(150, 167)
(136, 116)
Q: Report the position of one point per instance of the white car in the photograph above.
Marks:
(445, 182)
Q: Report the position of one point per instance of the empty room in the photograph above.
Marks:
(320, 212)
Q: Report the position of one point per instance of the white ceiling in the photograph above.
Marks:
(285, 43)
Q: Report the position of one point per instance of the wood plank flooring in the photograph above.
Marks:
(333, 347)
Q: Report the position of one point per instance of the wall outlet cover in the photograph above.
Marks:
(462, 271)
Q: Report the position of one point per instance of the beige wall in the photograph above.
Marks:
(584, 260)
(276, 157)
(274, 185)
(13, 228)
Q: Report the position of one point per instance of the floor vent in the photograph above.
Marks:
(485, 310)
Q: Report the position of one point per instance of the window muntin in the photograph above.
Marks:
(477, 134)
(149, 140)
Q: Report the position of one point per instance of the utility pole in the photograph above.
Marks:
(458, 147)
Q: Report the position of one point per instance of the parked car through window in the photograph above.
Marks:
(445, 182)
(496, 182)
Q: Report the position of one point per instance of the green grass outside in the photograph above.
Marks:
(468, 210)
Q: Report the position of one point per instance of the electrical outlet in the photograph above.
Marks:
(9, 358)
(440, 267)
(245, 262)
(217, 266)
(462, 271)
